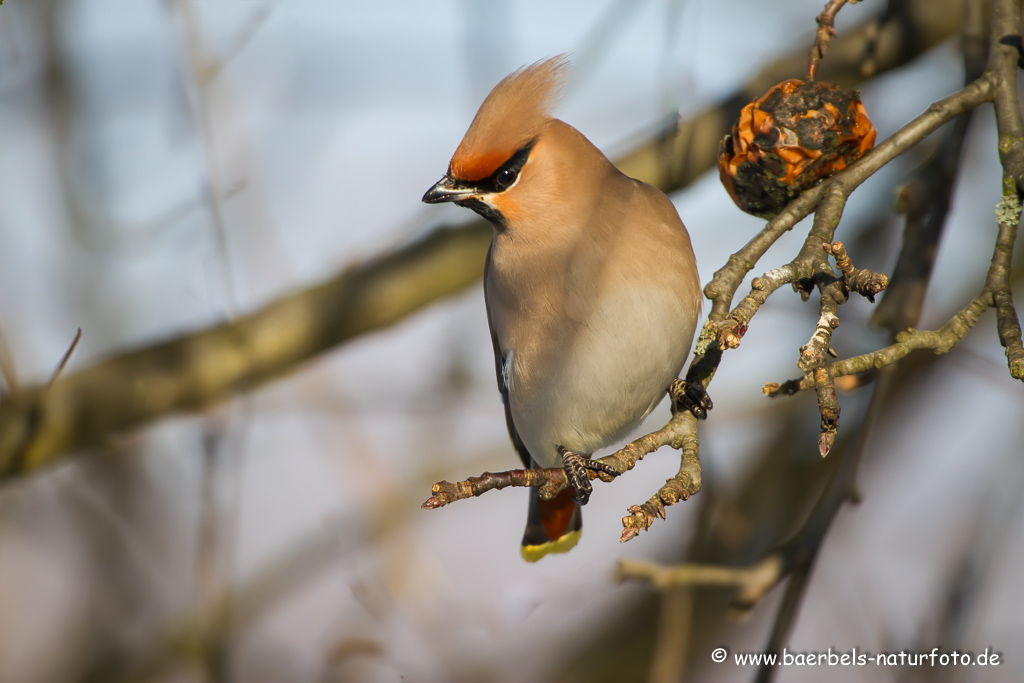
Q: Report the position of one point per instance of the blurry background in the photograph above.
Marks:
(166, 166)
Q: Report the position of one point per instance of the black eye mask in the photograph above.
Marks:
(501, 179)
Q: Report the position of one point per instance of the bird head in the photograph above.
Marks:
(502, 163)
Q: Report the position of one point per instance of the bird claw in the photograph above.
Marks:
(576, 466)
(692, 396)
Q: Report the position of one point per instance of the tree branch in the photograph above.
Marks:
(942, 340)
(680, 433)
(823, 36)
(727, 279)
(1003, 63)
(827, 201)
(751, 582)
(81, 409)
(801, 550)
(199, 369)
(865, 282)
(997, 292)
(804, 546)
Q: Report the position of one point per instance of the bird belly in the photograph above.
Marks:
(595, 386)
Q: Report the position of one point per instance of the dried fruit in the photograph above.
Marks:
(786, 141)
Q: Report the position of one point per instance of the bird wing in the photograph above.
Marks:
(499, 366)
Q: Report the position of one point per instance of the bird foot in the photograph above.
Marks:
(576, 466)
(691, 396)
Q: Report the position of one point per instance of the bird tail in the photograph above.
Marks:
(552, 526)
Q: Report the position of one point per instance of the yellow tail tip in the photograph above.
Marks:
(532, 553)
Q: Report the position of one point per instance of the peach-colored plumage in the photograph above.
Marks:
(515, 112)
(590, 283)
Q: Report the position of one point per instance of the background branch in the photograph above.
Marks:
(200, 369)
(803, 547)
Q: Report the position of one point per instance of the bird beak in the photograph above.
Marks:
(446, 190)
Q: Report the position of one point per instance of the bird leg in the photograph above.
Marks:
(576, 466)
(691, 396)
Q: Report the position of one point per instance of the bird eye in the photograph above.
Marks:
(506, 178)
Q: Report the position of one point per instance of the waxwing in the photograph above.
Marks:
(591, 287)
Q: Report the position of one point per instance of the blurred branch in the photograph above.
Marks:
(192, 638)
(200, 369)
(675, 624)
(799, 553)
(65, 358)
(905, 309)
(925, 200)
(7, 369)
(203, 69)
(751, 582)
(959, 597)
(801, 550)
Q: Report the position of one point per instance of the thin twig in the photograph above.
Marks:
(203, 68)
(1004, 60)
(685, 483)
(865, 282)
(946, 338)
(822, 37)
(942, 340)
(65, 358)
(549, 480)
(998, 283)
(680, 433)
(731, 330)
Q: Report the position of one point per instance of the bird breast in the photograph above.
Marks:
(592, 338)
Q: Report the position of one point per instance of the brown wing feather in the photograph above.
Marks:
(499, 361)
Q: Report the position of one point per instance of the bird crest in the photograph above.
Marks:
(512, 116)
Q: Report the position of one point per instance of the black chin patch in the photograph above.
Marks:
(485, 210)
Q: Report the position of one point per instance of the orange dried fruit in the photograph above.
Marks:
(786, 141)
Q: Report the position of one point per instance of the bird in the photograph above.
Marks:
(590, 283)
